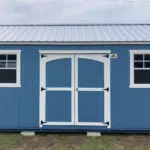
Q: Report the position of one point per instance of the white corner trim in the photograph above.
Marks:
(74, 51)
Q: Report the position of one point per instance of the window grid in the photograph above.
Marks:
(143, 61)
(7, 61)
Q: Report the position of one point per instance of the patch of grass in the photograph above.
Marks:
(74, 142)
(9, 140)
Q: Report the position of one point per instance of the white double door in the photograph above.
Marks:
(75, 89)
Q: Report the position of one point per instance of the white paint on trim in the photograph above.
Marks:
(18, 68)
(58, 123)
(132, 84)
(140, 51)
(58, 89)
(74, 51)
(90, 124)
(90, 89)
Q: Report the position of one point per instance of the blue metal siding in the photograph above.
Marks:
(19, 107)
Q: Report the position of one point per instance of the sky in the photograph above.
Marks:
(74, 11)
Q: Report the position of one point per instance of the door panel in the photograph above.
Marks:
(91, 106)
(58, 73)
(90, 96)
(57, 93)
(90, 73)
(58, 106)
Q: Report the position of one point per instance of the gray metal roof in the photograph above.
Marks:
(75, 33)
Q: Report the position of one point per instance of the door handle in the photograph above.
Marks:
(76, 89)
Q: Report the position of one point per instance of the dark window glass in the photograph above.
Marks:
(138, 64)
(2, 64)
(142, 76)
(2, 57)
(147, 64)
(12, 57)
(138, 57)
(7, 75)
(147, 56)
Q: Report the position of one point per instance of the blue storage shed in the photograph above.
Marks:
(75, 77)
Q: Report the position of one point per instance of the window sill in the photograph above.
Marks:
(139, 86)
(9, 85)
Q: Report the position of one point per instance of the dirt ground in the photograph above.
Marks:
(74, 142)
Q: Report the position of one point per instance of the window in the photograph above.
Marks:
(140, 68)
(10, 68)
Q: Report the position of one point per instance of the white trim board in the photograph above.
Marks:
(75, 51)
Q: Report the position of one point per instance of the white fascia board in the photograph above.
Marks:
(75, 51)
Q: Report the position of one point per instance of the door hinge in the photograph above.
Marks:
(42, 56)
(42, 89)
(107, 89)
(107, 55)
(42, 122)
(107, 123)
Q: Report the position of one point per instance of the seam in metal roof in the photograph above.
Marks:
(71, 33)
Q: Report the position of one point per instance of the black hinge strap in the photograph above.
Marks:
(42, 56)
(107, 89)
(42, 89)
(42, 122)
(107, 123)
(107, 55)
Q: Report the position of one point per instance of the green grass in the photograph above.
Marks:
(74, 142)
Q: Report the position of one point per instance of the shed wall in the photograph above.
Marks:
(19, 107)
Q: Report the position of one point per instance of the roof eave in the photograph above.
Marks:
(72, 43)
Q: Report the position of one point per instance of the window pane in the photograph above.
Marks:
(147, 64)
(2, 64)
(12, 57)
(2, 57)
(142, 76)
(7, 75)
(11, 64)
(147, 56)
(138, 57)
(138, 64)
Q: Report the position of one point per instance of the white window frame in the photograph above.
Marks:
(18, 54)
(132, 84)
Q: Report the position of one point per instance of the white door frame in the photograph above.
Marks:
(42, 103)
(106, 62)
